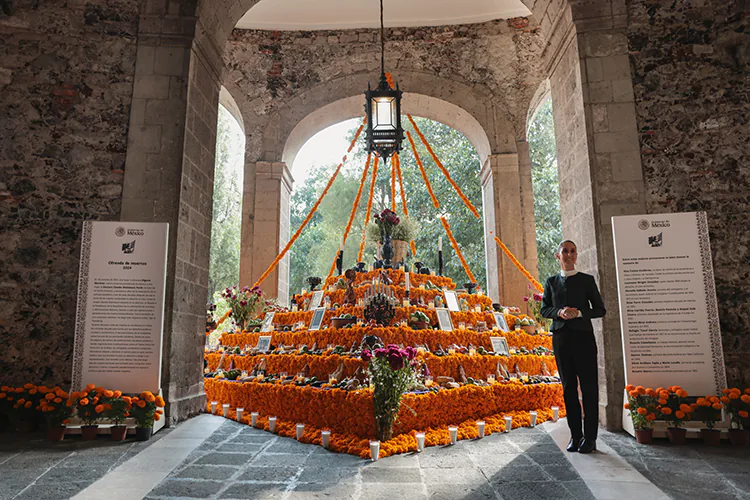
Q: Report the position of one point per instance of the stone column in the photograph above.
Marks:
(504, 218)
(265, 226)
(169, 174)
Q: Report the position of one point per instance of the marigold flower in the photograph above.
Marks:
(627, 406)
(745, 398)
(57, 400)
(651, 417)
(640, 389)
(642, 411)
(117, 394)
(157, 417)
(662, 401)
(742, 413)
(99, 408)
(747, 391)
(159, 401)
(685, 408)
(3, 395)
(666, 410)
(724, 399)
(725, 391)
(49, 396)
(27, 405)
(716, 406)
(90, 387)
(629, 387)
(634, 394)
(108, 394)
(141, 403)
(682, 393)
(66, 421)
(679, 414)
(84, 401)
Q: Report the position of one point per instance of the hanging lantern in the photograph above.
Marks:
(383, 111)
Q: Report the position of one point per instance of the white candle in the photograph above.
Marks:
(420, 441)
(440, 243)
(477, 308)
(239, 414)
(300, 431)
(532, 416)
(407, 282)
(375, 450)
(254, 418)
(271, 423)
(480, 429)
(454, 434)
(406, 302)
(325, 437)
(508, 423)
(214, 404)
(555, 413)
(225, 409)
(341, 245)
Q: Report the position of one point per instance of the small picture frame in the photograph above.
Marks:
(267, 322)
(316, 300)
(444, 319)
(264, 343)
(500, 321)
(500, 345)
(317, 318)
(451, 300)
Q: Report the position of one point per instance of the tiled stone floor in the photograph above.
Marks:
(236, 461)
(239, 462)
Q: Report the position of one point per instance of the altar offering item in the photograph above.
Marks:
(420, 441)
(225, 409)
(532, 416)
(271, 424)
(555, 413)
(480, 429)
(254, 418)
(508, 423)
(454, 434)
(325, 437)
(214, 404)
(239, 413)
(300, 431)
(374, 450)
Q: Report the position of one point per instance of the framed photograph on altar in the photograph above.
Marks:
(264, 343)
(500, 345)
(444, 319)
(315, 301)
(451, 300)
(267, 322)
(500, 321)
(317, 318)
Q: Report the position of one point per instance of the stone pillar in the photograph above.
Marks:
(169, 178)
(265, 226)
(599, 167)
(504, 218)
(527, 209)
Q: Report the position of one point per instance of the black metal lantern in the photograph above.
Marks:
(383, 111)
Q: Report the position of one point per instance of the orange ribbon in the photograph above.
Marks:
(458, 250)
(422, 171)
(520, 267)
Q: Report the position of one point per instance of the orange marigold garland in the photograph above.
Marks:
(369, 208)
(389, 79)
(353, 213)
(393, 184)
(458, 250)
(421, 169)
(524, 271)
(309, 215)
(461, 194)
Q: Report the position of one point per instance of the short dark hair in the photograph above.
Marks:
(559, 247)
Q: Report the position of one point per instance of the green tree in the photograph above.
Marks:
(543, 150)
(316, 248)
(224, 266)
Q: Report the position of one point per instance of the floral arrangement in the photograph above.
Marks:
(54, 407)
(534, 301)
(392, 372)
(91, 403)
(146, 408)
(673, 405)
(738, 406)
(245, 303)
(643, 405)
(707, 410)
(23, 401)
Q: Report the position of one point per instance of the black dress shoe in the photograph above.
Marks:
(574, 444)
(587, 446)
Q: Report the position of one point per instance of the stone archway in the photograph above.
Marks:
(172, 140)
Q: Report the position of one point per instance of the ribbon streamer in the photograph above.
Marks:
(458, 250)
(369, 209)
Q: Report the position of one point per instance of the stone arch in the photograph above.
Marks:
(227, 100)
(413, 103)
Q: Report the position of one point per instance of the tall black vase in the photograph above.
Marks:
(387, 250)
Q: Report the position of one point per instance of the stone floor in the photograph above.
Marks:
(209, 457)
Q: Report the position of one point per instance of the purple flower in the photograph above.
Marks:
(366, 355)
(538, 297)
(243, 303)
(525, 299)
(396, 361)
(410, 352)
(380, 352)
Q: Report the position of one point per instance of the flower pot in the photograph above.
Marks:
(342, 322)
(400, 248)
(739, 437)
(711, 437)
(644, 436)
(119, 432)
(88, 432)
(56, 433)
(676, 435)
(143, 433)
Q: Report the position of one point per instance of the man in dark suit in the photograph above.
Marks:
(572, 299)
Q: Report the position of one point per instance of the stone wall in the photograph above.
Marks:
(691, 62)
(66, 82)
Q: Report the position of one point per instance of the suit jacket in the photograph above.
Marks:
(579, 291)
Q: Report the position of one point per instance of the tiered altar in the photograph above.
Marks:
(318, 377)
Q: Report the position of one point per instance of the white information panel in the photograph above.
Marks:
(120, 314)
(668, 312)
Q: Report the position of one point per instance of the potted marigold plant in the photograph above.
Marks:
(675, 409)
(708, 410)
(643, 405)
(57, 413)
(392, 371)
(145, 409)
(119, 410)
(738, 406)
(23, 411)
(90, 405)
